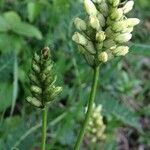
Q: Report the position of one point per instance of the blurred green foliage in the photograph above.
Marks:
(29, 25)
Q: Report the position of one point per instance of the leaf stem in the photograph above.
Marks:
(90, 105)
(44, 127)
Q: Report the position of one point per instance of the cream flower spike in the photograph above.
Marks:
(105, 31)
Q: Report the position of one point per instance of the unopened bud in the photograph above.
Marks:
(100, 36)
(36, 89)
(80, 24)
(109, 32)
(109, 43)
(34, 101)
(131, 22)
(119, 26)
(36, 57)
(33, 78)
(122, 38)
(55, 92)
(97, 1)
(101, 19)
(47, 71)
(35, 67)
(94, 22)
(114, 3)
(128, 6)
(121, 50)
(116, 14)
(103, 57)
(127, 30)
(45, 53)
(104, 8)
(79, 39)
(90, 7)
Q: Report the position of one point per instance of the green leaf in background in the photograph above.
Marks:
(120, 111)
(12, 18)
(140, 49)
(10, 42)
(27, 30)
(34, 9)
(12, 21)
(4, 27)
(5, 95)
(6, 62)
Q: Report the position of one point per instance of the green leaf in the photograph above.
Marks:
(112, 107)
(5, 95)
(15, 84)
(140, 49)
(33, 9)
(6, 61)
(12, 18)
(27, 30)
(4, 26)
(9, 42)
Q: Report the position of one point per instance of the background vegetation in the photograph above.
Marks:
(123, 91)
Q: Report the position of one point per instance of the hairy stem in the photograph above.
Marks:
(90, 105)
(44, 128)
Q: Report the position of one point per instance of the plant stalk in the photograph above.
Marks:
(90, 106)
(44, 127)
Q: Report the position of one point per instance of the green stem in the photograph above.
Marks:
(44, 128)
(90, 105)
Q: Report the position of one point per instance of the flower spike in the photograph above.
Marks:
(42, 80)
(105, 31)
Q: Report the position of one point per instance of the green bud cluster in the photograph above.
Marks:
(42, 80)
(104, 33)
(96, 128)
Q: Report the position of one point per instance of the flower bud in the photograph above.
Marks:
(114, 3)
(45, 52)
(97, 1)
(94, 22)
(109, 43)
(127, 30)
(47, 71)
(119, 26)
(90, 47)
(36, 57)
(35, 67)
(90, 7)
(103, 57)
(109, 21)
(89, 59)
(101, 19)
(79, 39)
(96, 127)
(122, 38)
(43, 77)
(131, 22)
(36, 89)
(34, 101)
(100, 36)
(80, 24)
(116, 14)
(128, 6)
(33, 78)
(121, 50)
(109, 32)
(55, 92)
(103, 7)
